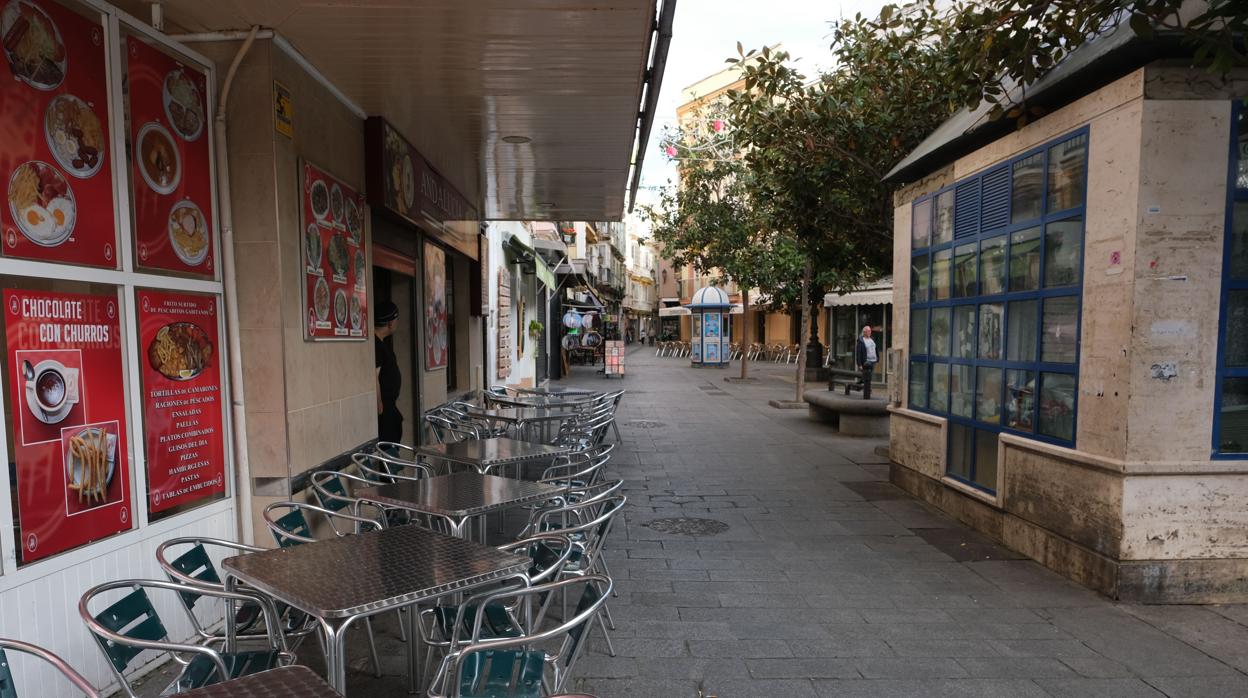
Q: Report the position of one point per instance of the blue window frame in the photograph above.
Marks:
(1230, 417)
(997, 280)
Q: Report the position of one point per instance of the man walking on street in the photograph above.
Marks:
(866, 356)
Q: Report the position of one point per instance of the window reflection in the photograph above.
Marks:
(1025, 260)
(941, 274)
(964, 271)
(1021, 332)
(992, 265)
(988, 395)
(918, 331)
(962, 390)
(1062, 243)
(942, 223)
(940, 331)
(990, 328)
(921, 225)
(1060, 328)
(1020, 397)
(919, 281)
(918, 384)
(1028, 186)
(1068, 168)
(938, 393)
(964, 331)
(1057, 405)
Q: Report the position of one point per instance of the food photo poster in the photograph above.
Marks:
(172, 175)
(182, 398)
(55, 156)
(436, 340)
(68, 419)
(335, 270)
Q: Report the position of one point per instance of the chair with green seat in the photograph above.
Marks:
(520, 667)
(292, 528)
(131, 625)
(8, 685)
(194, 567)
(549, 553)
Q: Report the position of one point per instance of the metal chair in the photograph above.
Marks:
(517, 667)
(8, 685)
(293, 528)
(131, 625)
(193, 569)
(549, 553)
(381, 470)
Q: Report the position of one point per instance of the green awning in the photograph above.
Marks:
(544, 274)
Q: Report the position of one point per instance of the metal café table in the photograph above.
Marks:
(458, 497)
(483, 455)
(283, 682)
(341, 580)
(529, 423)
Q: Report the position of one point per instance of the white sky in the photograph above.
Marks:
(705, 34)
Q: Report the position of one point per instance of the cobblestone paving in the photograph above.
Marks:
(828, 581)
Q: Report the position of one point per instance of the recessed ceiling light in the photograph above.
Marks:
(517, 139)
(545, 204)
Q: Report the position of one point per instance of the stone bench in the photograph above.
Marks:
(852, 416)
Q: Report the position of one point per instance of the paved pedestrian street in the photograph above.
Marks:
(826, 580)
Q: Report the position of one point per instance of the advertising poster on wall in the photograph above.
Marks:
(335, 270)
(436, 340)
(504, 323)
(54, 157)
(172, 161)
(68, 419)
(182, 400)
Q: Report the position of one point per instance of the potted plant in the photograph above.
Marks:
(536, 329)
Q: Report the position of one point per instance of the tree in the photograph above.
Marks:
(1001, 46)
(817, 149)
(707, 221)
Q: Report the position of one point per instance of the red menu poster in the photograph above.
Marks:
(172, 176)
(54, 151)
(335, 267)
(182, 410)
(68, 419)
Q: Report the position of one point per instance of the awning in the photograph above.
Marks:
(872, 297)
(555, 248)
(669, 312)
(540, 268)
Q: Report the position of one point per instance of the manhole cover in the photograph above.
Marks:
(644, 424)
(687, 527)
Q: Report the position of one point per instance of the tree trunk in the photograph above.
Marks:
(805, 307)
(745, 328)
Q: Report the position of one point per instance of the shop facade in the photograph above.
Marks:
(1066, 300)
(520, 287)
(847, 314)
(117, 393)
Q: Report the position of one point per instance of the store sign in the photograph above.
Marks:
(335, 267)
(55, 152)
(403, 183)
(68, 419)
(182, 400)
(172, 161)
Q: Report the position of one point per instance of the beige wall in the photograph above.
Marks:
(1140, 485)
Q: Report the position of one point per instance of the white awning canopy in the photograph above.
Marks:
(876, 297)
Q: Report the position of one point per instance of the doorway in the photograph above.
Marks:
(394, 279)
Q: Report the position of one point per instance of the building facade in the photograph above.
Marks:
(1067, 302)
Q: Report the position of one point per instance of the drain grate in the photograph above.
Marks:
(645, 424)
(686, 526)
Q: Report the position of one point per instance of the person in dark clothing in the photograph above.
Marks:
(866, 356)
(389, 379)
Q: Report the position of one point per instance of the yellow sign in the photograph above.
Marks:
(283, 110)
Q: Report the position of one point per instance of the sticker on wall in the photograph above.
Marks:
(283, 110)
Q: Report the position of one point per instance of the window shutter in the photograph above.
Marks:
(966, 209)
(996, 199)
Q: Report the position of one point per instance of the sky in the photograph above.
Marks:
(706, 33)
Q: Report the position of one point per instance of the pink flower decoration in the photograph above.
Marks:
(671, 151)
(718, 125)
